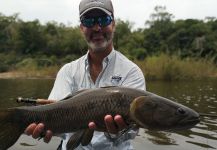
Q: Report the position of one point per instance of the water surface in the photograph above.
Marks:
(198, 95)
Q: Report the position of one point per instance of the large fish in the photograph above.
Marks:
(73, 114)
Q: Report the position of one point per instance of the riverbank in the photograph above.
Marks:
(162, 67)
(31, 72)
(17, 74)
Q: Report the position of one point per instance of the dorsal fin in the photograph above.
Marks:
(73, 94)
(108, 86)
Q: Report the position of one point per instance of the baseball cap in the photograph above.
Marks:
(87, 5)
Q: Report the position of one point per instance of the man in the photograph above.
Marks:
(101, 66)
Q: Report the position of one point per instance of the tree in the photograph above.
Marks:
(160, 15)
(8, 31)
(122, 31)
(30, 37)
(161, 27)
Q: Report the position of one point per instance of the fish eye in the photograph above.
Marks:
(181, 111)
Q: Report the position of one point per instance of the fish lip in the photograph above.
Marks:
(192, 119)
(195, 120)
(188, 123)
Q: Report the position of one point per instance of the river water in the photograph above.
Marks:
(198, 95)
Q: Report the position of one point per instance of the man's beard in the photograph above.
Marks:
(102, 46)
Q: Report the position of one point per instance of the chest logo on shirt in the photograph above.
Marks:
(116, 79)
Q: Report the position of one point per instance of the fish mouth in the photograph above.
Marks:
(193, 121)
(188, 123)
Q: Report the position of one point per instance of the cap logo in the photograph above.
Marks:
(87, 5)
(96, 1)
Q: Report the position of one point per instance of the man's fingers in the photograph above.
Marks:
(113, 125)
(48, 136)
(92, 125)
(120, 122)
(29, 130)
(110, 124)
(38, 130)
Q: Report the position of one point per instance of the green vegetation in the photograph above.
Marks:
(164, 48)
(173, 68)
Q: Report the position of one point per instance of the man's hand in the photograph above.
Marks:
(36, 130)
(113, 125)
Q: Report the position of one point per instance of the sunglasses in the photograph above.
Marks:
(102, 21)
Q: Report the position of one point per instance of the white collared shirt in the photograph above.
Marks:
(117, 71)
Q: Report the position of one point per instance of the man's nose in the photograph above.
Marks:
(97, 27)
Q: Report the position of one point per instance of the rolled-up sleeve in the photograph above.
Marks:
(135, 79)
(63, 84)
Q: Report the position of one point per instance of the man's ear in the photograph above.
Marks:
(113, 25)
(81, 27)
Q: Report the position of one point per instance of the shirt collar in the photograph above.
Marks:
(107, 59)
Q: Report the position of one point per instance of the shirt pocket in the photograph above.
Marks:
(112, 81)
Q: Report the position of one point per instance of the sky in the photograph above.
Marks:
(135, 11)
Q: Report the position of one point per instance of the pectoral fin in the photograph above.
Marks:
(87, 137)
(75, 140)
(81, 137)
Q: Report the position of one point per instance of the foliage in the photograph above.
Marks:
(173, 68)
(31, 44)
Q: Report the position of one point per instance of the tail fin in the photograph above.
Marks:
(10, 131)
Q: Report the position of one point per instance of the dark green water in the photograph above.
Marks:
(198, 95)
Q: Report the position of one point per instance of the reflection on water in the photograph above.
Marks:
(198, 95)
(13, 88)
(160, 137)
